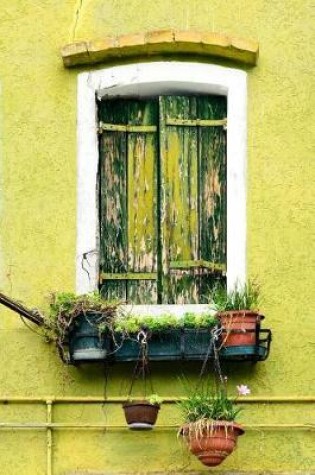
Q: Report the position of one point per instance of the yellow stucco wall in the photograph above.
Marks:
(38, 231)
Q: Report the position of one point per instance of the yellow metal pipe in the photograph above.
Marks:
(69, 426)
(49, 436)
(166, 399)
(49, 426)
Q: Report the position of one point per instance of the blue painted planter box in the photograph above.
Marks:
(198, 344)
(86, 344)
(167, 345)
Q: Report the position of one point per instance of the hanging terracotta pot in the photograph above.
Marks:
(141, 415)
(212, 442)
(239, 327)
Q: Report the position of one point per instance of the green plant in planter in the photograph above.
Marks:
(133, 324)
(166, 337)
(203, 406)
(197, 321)
(244, 297)
(155, 399)
(209, 429)
(88, 313)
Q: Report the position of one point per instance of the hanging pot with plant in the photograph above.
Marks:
(142, 414)
(211, 444)
(209, 429)
(238, 315)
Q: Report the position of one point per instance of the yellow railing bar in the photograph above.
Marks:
(70, 426)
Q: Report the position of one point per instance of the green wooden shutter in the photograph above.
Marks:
(128, 200)
(162, 198)
(193, 195)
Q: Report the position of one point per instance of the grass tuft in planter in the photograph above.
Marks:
(81, 326)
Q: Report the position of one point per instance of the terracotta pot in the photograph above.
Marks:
(214, 443)
(239, 327)
(141, 415)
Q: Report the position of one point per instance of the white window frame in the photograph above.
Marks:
(147, 79)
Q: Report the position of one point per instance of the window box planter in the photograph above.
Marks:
(198, 343)
(86, 342)
(83, 327)
(166, 345)
(189, 344)
(124, 349)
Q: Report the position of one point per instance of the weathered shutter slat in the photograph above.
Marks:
(113, 200)
(212, 179)
(142, 200)
(180, 198)
(212, 158)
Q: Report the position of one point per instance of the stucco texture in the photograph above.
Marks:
(38, 234)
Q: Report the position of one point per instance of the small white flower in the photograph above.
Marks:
(243, 390)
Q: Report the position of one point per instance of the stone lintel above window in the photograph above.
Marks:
(159, 43)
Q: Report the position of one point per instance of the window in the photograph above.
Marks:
(145, 80)
(162, 198)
